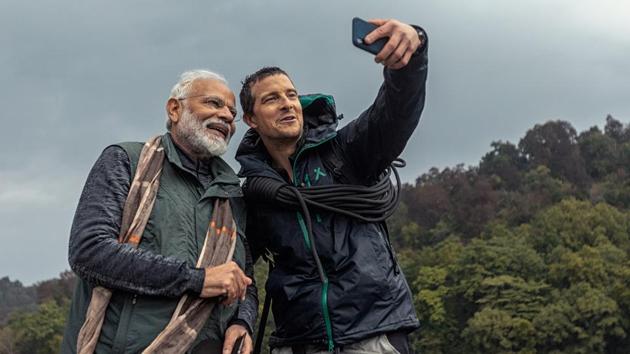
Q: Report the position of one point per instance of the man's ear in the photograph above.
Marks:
(173, 109)
(250, 120)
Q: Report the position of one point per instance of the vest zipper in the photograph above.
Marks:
(120, 339)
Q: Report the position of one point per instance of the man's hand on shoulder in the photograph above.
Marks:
(233, 333)
(403, 42)
(227, 280)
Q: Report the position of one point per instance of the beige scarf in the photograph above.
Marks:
(191, 312)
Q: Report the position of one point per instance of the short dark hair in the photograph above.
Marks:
(247, 100)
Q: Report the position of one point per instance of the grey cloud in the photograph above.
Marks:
(79, 75)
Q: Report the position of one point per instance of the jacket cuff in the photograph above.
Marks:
(197, 276)
(238, 321)
(424, 39)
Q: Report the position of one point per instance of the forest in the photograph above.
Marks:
(526, 252)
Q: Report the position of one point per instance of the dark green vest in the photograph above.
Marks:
(176, 228)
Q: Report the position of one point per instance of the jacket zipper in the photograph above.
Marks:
(388, 245)
(120, 339)
(324, 298)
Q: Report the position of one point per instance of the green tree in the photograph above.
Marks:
(616, 189)
(573, 224)
(7, 341)
(506, 162)
(554, 144)
(614, 129)
(439, 327)
(580, 319)
(41, 331)
(599, 151)
(14, 296)
(496, 331)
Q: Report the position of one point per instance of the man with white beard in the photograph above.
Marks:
(148, 280)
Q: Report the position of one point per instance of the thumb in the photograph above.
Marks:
(379, 32)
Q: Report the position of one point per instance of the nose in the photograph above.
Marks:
(226, 115)
(286, 103)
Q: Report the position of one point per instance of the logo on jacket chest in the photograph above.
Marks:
(314, 176)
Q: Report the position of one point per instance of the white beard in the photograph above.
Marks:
(193, 132)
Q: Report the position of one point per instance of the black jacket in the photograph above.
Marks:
(365, 293)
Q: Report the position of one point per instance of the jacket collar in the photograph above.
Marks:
(223, 174)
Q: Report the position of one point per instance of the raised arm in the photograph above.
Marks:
(373, 140)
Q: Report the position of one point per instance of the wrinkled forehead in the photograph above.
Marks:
(211, 87)
(272, 83)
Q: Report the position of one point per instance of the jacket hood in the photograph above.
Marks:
(320, 123)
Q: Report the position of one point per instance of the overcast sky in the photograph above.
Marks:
(79, 75)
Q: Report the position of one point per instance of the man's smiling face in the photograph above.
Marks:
(204, 121)
(277, 112)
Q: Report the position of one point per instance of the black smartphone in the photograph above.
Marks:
(238, 345)
(360, 29)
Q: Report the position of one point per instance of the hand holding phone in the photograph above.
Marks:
(360, 29)
(392, 41)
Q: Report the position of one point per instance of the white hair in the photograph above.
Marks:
(181, 88)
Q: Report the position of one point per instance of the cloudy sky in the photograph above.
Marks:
(79, 75)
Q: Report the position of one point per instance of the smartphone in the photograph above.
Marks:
(360, 29)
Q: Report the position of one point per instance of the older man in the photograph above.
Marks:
(336, 284)
(148, 281)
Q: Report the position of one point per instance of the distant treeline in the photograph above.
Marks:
(528, 252)
(32, 318)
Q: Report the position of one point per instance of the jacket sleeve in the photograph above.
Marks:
(94, 252)
(248, 309)
(371, 142)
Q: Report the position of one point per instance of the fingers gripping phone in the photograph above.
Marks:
(360, 29)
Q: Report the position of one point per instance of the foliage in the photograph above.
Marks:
(41, 331)
(14, 296)
(37, 325)
(527, 253)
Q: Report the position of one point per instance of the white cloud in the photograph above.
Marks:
(607, 18)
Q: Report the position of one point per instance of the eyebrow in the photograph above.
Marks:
(221, 101)
(275, 92)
